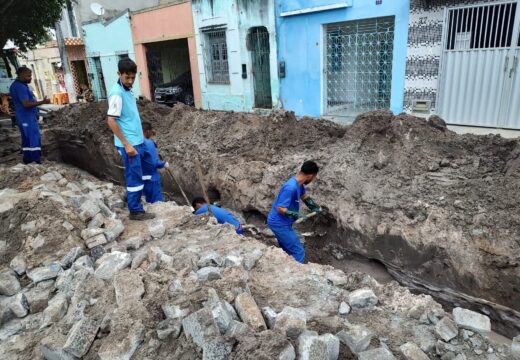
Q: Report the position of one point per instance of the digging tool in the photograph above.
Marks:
(202, 185)
(312, 214)
(179, 185)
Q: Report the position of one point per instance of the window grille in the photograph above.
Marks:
(216, 56)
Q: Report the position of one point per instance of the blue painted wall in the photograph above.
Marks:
(301, 41)
(106, 39)
(237, 17)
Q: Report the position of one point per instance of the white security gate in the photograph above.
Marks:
(480, 81)
(358, 66)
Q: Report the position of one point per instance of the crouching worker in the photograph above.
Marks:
(222, 215)
(151, 177)
(124, 121)
(286, 207)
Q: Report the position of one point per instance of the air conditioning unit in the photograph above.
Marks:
(422, 106)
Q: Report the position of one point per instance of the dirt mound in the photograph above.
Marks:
(440, 210)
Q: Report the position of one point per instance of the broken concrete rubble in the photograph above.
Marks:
(472, 320)
(356, 337)
(81, 336)
(249, 312)
(44, 273)
(446, 329)
(111, 263)
(362, 299)
(9, 284)
(291, 322)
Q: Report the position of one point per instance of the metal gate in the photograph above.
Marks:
(101, 79)
(480, 83)
(358, 66)
(260, 53)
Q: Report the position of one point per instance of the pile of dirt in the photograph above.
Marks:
(440, 210)
(181, 286)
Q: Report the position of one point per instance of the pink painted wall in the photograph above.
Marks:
(162, 24)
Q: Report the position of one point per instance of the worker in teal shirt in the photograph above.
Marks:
(286, 210)
(222, 215)
(151, 177)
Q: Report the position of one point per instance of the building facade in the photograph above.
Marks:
(106, 42)
(462, 62)
(237, 54)
(341, 58)
(166, 49)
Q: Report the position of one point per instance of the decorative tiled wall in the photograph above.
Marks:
(424, 48)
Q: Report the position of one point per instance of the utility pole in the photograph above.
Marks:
(69, 83)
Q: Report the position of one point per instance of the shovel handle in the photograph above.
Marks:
(300, 220)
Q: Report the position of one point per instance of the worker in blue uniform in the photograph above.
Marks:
(286, 210)
(222, 215)
(151, 177)
(124, 121)
(26, 110)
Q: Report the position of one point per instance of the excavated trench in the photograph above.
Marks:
(407, 199)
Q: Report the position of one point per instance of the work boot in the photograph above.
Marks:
(140, 216)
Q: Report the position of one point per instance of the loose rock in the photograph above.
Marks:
(411, 351)
(291, 322)
(9, 284)
(446, 329)
(81, 337)
(356, 337)
(472, 320)
(109, 264)
(18, 265)
(311, 347)
(362, 299)
(377, 354)
(209, 273)
(200, 326)
(128, 286)
(344, 308)
(249, 312)
(269, 316)
(44, 273)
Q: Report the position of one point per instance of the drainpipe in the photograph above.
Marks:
(69, 83)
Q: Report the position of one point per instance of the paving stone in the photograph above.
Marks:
(356, 337)
(311, 347)
(251, 258)
(111, 263)
(424, 338)
(446, 329)
(172, 311)
(376, 354)
(37, 299)
(18, 265)
(56, 309)
(83, 262)
(97, 221)
(233, 261)
(51, 347)
(97, 252)
(73, 254)
(222, 316)
(113, 228)
(123, 350)
(216, 349)
(269, 316)
(344, 308)
(249, 312)
(410, 351)
(128, 286)
(515, 348)
(9, 284)
(362, 299)
(157, 228)
(96, 241)
(43, 273)
(90, 233)
(291, 322)
(210, 259)
(81, 336)
(209, 273)
(18, 305)
(169, 328)
(88, 210)
(236, 328)
(200, 326)
(472, 320)
(332, 343)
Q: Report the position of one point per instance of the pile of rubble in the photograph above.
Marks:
(78, 280)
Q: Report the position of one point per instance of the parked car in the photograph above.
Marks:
(178, 90)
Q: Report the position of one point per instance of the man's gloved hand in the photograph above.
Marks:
(311, 204)
(295, 215)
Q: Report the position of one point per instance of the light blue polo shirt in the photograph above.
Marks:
(122, 106)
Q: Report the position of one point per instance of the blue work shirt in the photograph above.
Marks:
(123, 107)
(152, 159)
(222, 215)
(288, 197)
(20, 91)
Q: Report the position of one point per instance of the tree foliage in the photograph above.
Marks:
(26, 22)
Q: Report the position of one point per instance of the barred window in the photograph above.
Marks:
(217, 56)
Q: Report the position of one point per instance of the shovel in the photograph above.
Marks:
(179, 186)
(312, 214)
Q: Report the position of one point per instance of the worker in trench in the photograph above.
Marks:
(26, 110)
(124, 121)
(222, 215)
(151, 164)
(286, 210)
